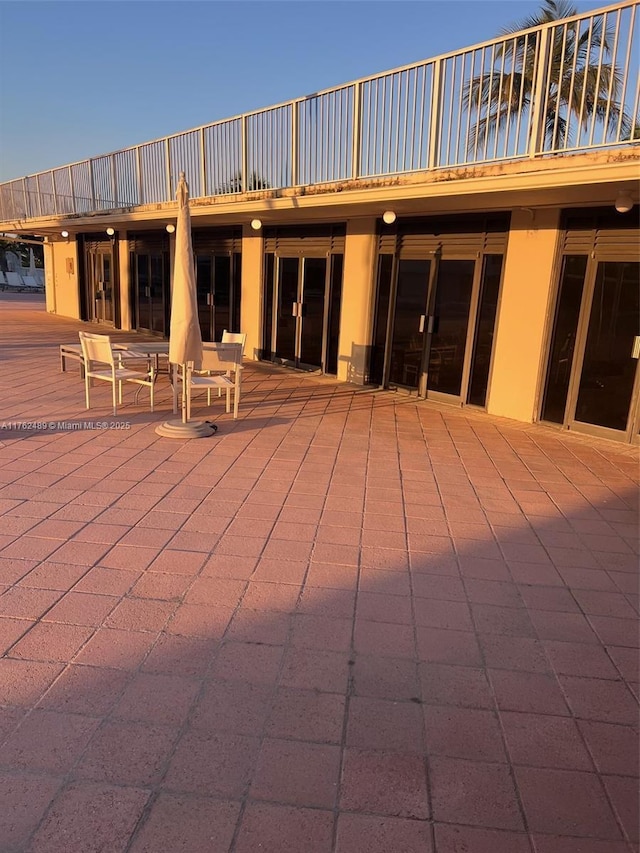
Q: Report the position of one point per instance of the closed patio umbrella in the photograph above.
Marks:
(185, 340)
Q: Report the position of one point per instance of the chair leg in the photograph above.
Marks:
(236, 397)
(228, 399)
(86, 390)
(114, 395)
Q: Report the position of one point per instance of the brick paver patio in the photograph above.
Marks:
(349, 623)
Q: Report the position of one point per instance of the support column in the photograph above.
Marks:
(251, 289)
(49, 279)
(356, 315)
(124, 277)
(524, 306)
(64, 278)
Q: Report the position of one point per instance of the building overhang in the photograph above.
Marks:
(557, 181)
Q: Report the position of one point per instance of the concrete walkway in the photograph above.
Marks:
(350, 623)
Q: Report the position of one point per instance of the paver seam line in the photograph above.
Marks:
(421, 696)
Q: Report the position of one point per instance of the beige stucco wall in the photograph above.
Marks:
(357, 299)
(61, 278)
(251, 302)
(522, 318)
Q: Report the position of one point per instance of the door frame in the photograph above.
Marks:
(436, 259)
(476, 282)
(299, 317)
(92, 248)
(630, 433)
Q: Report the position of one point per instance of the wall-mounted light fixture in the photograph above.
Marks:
(389, 217)
(65, 234)
(256, 224)
(170, 228)
(624, 202)
(111, 231)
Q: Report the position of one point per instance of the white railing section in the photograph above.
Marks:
(567, 86)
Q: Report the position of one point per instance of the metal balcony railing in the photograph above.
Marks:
(567, 86)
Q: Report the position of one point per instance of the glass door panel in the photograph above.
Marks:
(106, 287)
(157, 302)
(143, 291)
(204, 295)
(407, 340)
(312, 311)
(451, 322)
(221, 295)
(94, 268)
(333, 322)
(485, 327)
(608, 370)
(563, 338)
(286, 321)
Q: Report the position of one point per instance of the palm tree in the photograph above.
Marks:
(235, 185)
(578, 85)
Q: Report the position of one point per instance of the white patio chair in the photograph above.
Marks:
(234, 338)
(221, 368)
(101, 362)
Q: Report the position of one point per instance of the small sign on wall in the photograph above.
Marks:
(69, 262)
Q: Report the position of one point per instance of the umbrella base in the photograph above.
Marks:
(191, 429)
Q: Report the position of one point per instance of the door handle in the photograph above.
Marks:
(635, 349)
(421, 326)
(147, 292)
(294, 309)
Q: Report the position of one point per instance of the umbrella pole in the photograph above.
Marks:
(186, 377)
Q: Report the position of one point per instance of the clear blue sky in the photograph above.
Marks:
(79, 79)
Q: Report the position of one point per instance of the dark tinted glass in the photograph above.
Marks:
(407, 340)
(376, 369)
(485, 327)
(448, 343)
(563, 338)
(608, 369)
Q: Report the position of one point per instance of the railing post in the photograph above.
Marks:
(536, 131)
(167, 166)
(26, 198)
(295, 147)
(55, 192)
(73, 194)
(356, 135)
(92, 185)
(244, 177)
(39, 196)
(435, 117)
(203, 164)
(114, 181)
(139, 175)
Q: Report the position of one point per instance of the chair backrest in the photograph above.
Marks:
(234, 338)
(14, 279)
(221, 357)
(96, 348)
